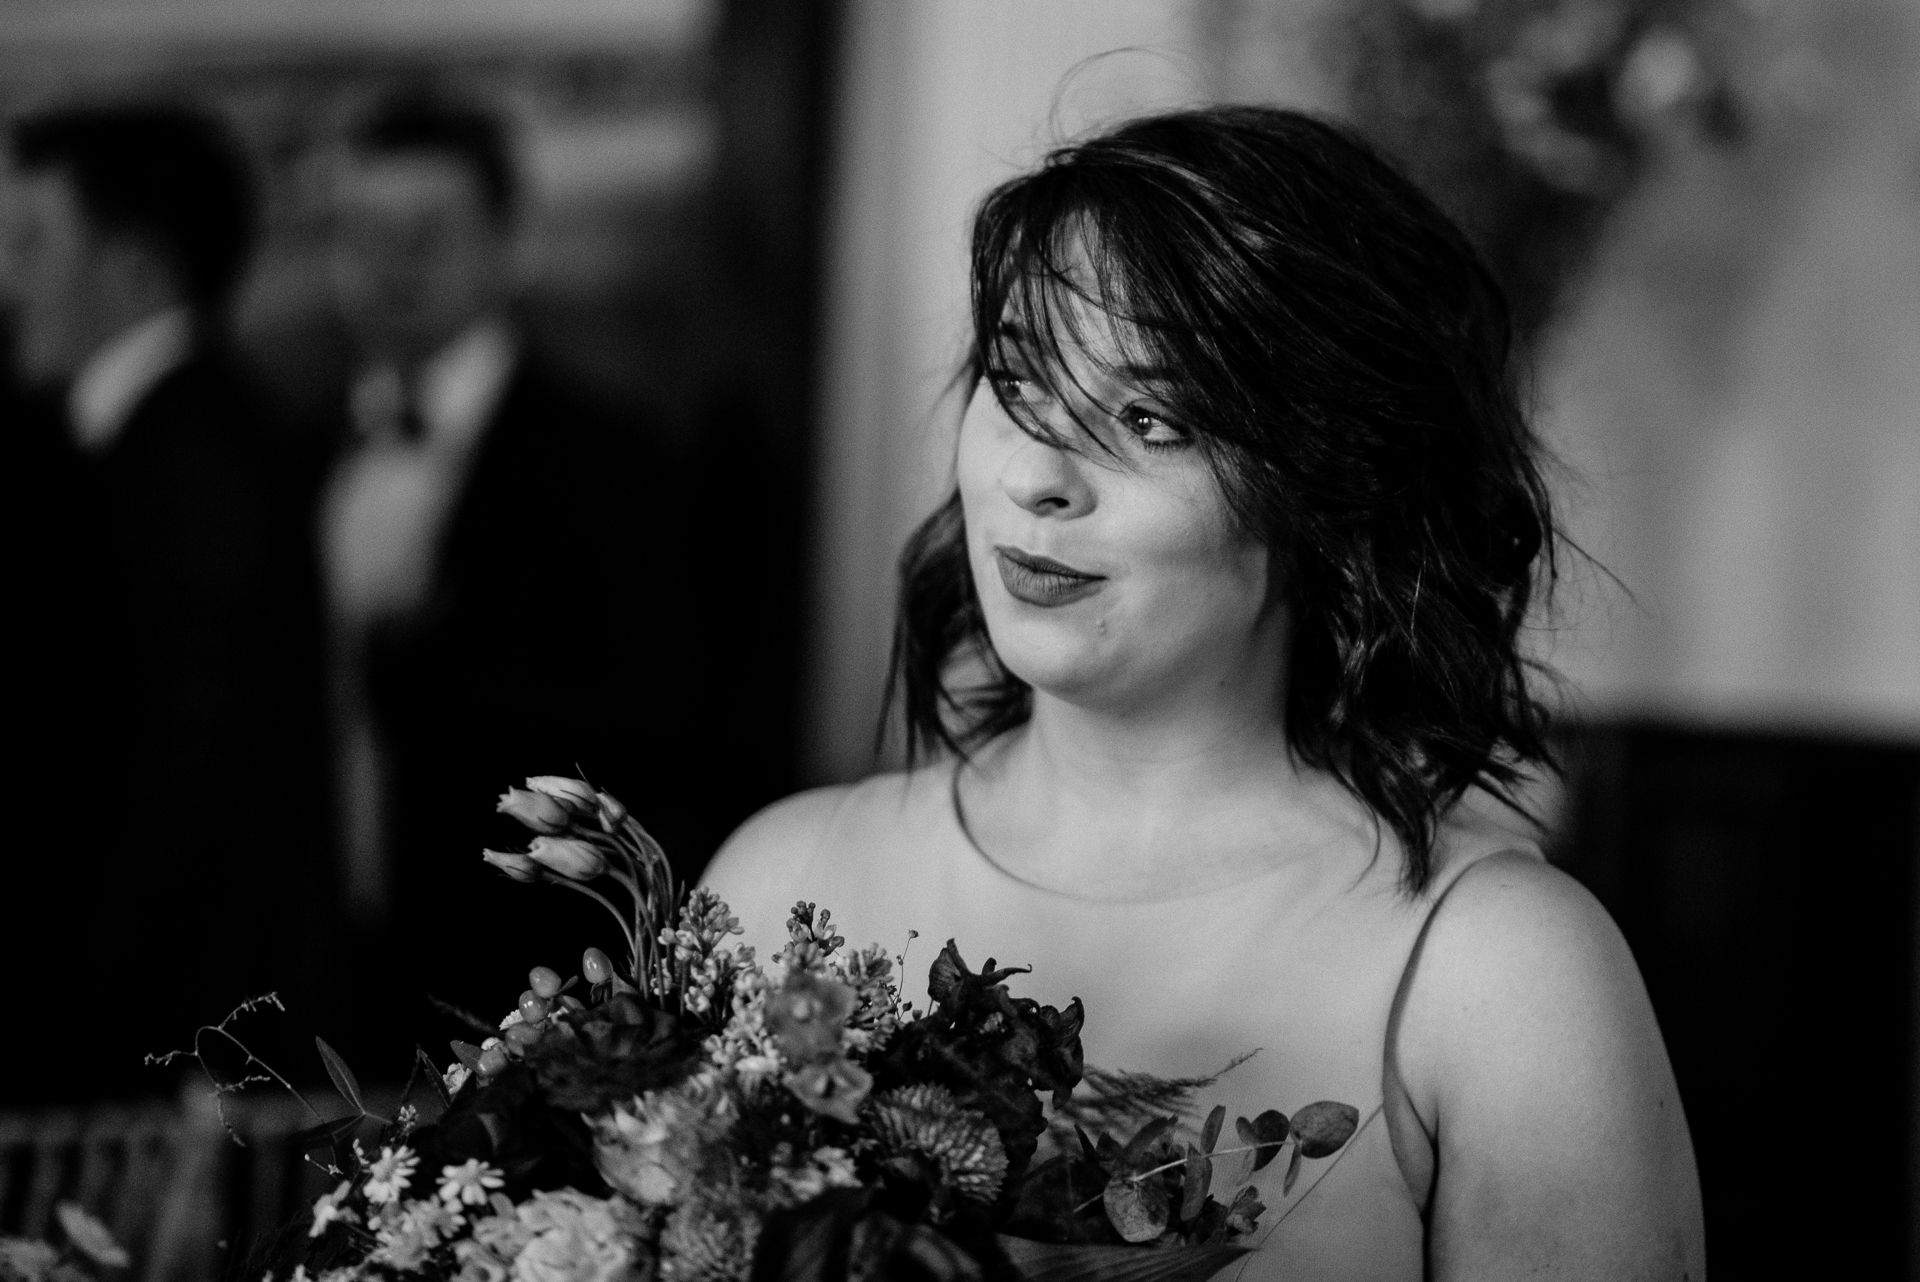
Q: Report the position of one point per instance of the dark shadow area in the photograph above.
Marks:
(1766, 883)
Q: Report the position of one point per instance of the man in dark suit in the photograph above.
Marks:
(172, 721)
(499, 562)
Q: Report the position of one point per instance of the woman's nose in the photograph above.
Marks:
(1046, 480)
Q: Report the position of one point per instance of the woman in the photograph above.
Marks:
(1218, 642)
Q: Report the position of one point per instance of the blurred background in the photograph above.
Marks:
(639, 428)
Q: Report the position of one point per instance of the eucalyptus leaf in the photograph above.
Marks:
(1323, 1127)
(1068, 1262)
(1269, 1132)
(1194, 1179)
(1233, 1167)
(1210, 1133)
(1137, 1209)
(343, 1078)
(467, 1053)
(1293, 1170)
(1137, 1156)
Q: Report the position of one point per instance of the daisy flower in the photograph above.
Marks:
(469, 1182)
(329, 1207)
(390, 1174)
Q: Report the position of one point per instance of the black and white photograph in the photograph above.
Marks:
(960, 640)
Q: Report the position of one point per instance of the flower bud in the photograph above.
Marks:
(611, 811)
(570, 857)
(536, 810)
(579, 798)
(596, 966)
(516, 866)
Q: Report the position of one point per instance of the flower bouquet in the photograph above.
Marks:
(698, 1115)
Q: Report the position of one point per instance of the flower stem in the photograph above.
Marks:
(1138, 1176)
(633, 947)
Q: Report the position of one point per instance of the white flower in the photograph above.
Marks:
(407, 1239)
(754, 1069)
(478, 1264)
(390, 1174)
(455, 1077)
(329, 1207)
(469, 1182)
(26, 1259)
(513, 1017)
(580, 1239)
(90, 1237)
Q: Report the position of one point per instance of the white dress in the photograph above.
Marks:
(1301, 963)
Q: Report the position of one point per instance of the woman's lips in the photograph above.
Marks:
(1041, 580)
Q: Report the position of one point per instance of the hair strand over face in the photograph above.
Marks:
(1343, 358)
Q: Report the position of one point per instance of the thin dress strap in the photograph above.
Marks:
(1391, 1080)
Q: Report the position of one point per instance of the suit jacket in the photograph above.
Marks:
(178, 715)
(553, 644)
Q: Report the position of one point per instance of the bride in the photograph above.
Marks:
(1212, 662)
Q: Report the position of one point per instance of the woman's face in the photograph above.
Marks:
(1111, 573)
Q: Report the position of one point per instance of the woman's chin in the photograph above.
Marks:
(1075, 673)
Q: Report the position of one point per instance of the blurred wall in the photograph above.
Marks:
(1736, 391)
(937, 101)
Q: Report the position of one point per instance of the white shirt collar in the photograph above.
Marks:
(455, 391)
(118, 377)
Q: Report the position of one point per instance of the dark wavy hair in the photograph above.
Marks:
(1343, 357)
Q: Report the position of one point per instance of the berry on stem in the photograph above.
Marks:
(544, 981)
(533, 1007)
(596, 966)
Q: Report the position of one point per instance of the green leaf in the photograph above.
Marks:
(1324, 1127)
(1269, 1131)
(1210, 1133)
(431, 1071)
(1293, 1171)
(1067, 1262)
(1194, 1179)
(1234, 1167)
(1137, 1155)
(1137, 1208)
(343, 1079)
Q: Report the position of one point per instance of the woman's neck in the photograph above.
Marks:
(1141, 805)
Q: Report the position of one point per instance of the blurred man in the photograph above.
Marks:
(495, 561)
(170, 726)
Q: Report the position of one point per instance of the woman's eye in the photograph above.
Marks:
(1011, 389)
(1151, 428)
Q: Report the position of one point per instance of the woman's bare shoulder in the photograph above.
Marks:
(786, 834)
(1530, 1049)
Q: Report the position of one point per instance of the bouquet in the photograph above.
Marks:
(698, 1115)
